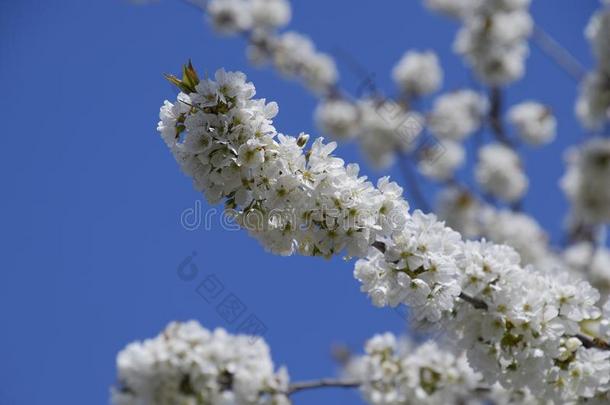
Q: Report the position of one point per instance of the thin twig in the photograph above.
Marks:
(322, 383)
(495, 117)
(596, 343)
(558, 53)
(475, 302)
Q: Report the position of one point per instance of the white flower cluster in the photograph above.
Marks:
(476, 219)
(516, 324)
(382, 127)
(291, 201)
(418, 73)
(598, 33)
(592, 261)
(418, 268)
(238, 16)
(393, 372)
(519, 231)
(188, 364)
(457, 115)
(500, 173)
(453, 8)
(442, 164)
(493, 39)
(454, 117)
(462, 211)
(534, 122)
(292, 54)
(593, 104)
(587, 181)
(339, 118)
(523, 337)
(295, 56)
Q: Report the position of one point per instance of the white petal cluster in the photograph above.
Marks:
(499, 172)
(463, 212)
(418, 73)
(418, 268)
(457, 115)
(598, 34)
(592, 261)
(294, 55)
(442, 164)
(383, 128)
(453, 8)
(593, 103)
(386, 129)
(291, 201)
(587, 181)
(339, 118)
(534, 122)
(476, 219)
(522, 339)
(520, 231)
(188, 364)
(493, 40)
(516, 324)
(393, 372)
(238, 16)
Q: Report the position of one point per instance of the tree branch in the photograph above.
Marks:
(495, 116)
(558, 53)
(322, 383)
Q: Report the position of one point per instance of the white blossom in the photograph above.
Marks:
(418, 73)
(453, 8)
(594, 262)
(587, 181)
(499, 172)
(418, 269)
(598, 33)
(519, 231)
(187, 364)
(235, 16)
(534, 122)
(229, 16)
(493, 40)
(593, 103)
(386, 129)
(270, 14)
(516, 325)
(393, 372)
(443, 164)
(457, 115)
(290, 201)
(462, 211)
(294, 55)
(338, 118)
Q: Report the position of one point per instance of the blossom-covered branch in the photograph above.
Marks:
(188, 364)
(309, 202)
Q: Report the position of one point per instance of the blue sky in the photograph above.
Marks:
(92, 200)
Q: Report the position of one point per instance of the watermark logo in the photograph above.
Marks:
(227, 304)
